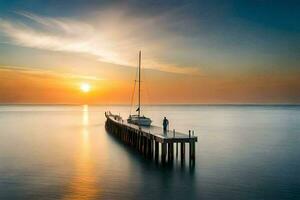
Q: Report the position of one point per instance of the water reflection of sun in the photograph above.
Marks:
(83, 184)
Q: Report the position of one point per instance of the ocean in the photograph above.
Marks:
(64, 152)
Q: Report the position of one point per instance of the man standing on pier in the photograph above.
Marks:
(165, 124)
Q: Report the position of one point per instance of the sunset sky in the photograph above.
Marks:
(192, 51)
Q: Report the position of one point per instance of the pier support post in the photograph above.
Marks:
(182, 151)
(156, 150)
(148, 147)
(145, 146)
(138, 142)
(176, 150)
(170, 151)
(142, 144)
(163, 152)
(192, 151)
(151, 148)
(135, 139)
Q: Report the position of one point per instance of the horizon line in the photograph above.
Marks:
(155, 104)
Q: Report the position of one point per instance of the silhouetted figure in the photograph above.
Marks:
(165, 124)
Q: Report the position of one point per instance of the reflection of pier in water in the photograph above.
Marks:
(83, 184)
(152, 141)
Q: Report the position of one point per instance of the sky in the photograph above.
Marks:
(193, 52)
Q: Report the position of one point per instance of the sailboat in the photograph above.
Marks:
(138, 119)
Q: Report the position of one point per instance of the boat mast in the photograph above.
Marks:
(139, 109)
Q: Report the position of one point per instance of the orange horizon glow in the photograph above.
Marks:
(47, 88)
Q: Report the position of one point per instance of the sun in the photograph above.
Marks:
(85, 87)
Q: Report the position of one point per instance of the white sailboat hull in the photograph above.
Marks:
(140, 121)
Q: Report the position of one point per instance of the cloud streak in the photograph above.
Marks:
(111, 37)
(49, 73)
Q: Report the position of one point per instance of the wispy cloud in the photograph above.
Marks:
(49, 73)
(110, 37)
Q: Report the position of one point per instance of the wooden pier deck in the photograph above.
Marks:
(152, 141)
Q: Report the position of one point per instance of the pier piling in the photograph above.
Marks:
(156, 150)
(176, 150)
(163, 152)
(182, 145)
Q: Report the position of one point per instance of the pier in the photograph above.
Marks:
(152, 141)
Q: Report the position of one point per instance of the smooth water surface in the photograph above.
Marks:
(64, 152)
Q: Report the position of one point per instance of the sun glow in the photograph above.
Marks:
(85, 87)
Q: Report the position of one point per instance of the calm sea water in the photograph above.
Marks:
(64, 152)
